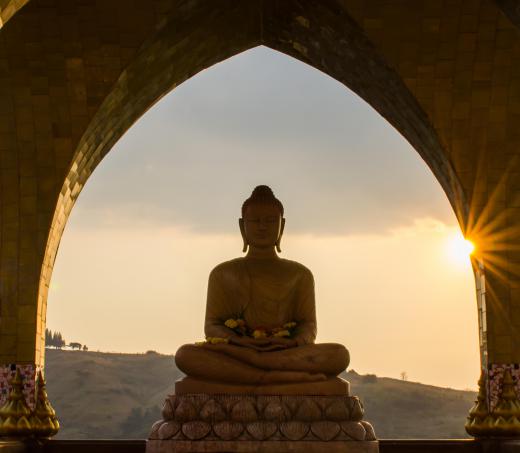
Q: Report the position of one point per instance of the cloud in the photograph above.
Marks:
(262, 118)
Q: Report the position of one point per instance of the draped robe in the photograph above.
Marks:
(266, 293)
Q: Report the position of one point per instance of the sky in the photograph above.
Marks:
(363, 212)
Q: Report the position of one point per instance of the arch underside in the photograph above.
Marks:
(177, 39)
(320, 34)
(77, 74)
(8, 8)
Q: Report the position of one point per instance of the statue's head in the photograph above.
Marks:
(262, 221)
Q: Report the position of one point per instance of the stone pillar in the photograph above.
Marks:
(18, 419)
(497, 265)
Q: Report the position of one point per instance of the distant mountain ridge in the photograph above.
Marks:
(112, 395)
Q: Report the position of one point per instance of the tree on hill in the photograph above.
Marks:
(54, 339)
(58, 340)
(48, 337)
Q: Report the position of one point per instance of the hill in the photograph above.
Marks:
(107, 395)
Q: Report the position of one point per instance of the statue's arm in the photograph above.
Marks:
(306, 311)
(217, 308)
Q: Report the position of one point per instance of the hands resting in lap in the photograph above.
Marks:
(263, 344)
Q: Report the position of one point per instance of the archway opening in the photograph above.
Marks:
(164, 210)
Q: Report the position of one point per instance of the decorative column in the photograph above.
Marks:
(18, 419)
(496, 412)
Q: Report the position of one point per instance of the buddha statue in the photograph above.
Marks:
(259, 382)
(264, 291)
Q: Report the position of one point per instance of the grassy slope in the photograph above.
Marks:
(101, 395)
(399, 409)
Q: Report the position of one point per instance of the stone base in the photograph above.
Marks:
(332, 386)
(199, 423)
(172, 446)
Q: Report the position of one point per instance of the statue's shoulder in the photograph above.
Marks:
(226, 267)
(296, 267)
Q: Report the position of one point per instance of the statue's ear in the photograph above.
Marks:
(243, 233)
(282, 226)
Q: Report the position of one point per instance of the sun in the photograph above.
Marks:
(459, 249)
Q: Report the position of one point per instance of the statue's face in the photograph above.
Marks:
(262, 225)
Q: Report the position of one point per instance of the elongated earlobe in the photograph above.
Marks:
(282, 227)
(243, 233)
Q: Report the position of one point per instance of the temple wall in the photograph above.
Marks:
(462, 62)
(75, 75)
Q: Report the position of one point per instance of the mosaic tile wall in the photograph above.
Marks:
(75, 75)
(495, 377)
(28, 373)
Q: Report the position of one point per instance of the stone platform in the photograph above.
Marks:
(329, 387)
(262, 423)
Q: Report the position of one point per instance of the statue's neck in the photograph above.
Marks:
(262, 253)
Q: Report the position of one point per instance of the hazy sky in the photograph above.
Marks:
(363, 211)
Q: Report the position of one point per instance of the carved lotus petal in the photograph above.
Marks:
(185, 411)
(262, 401)
(276, 411)
(167, 410)
(199, 400)
(228, 430)
(196, 430)
(168, 429)
(212, 411)
(294, 430)
(155, 428)
(308, 411)
(356, 409)
(291, 403)
(323, 402)
(325, 430)
(354, 430)
(370, 434)
(244, 411)
(261, 430)
(228, 402)
(337, 411)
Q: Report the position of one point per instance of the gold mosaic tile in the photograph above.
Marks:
(445, 74)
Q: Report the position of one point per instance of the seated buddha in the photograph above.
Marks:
(264, 292)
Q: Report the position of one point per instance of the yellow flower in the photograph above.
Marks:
(216, 340)
(282, 333)
(289, 325)
(200, 343)
(231, 323)
(259, 333)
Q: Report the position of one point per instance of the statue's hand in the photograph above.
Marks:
(258, 344)
(283, 342)
(263, 344)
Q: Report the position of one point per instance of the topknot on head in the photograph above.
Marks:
(262, 195)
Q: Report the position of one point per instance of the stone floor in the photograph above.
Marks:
(385, 446)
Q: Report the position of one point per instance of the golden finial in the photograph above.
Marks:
(44, 420)
(478, 420)
(15, 413)
(507, 410)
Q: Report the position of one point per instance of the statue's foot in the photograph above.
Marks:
(273, 377)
